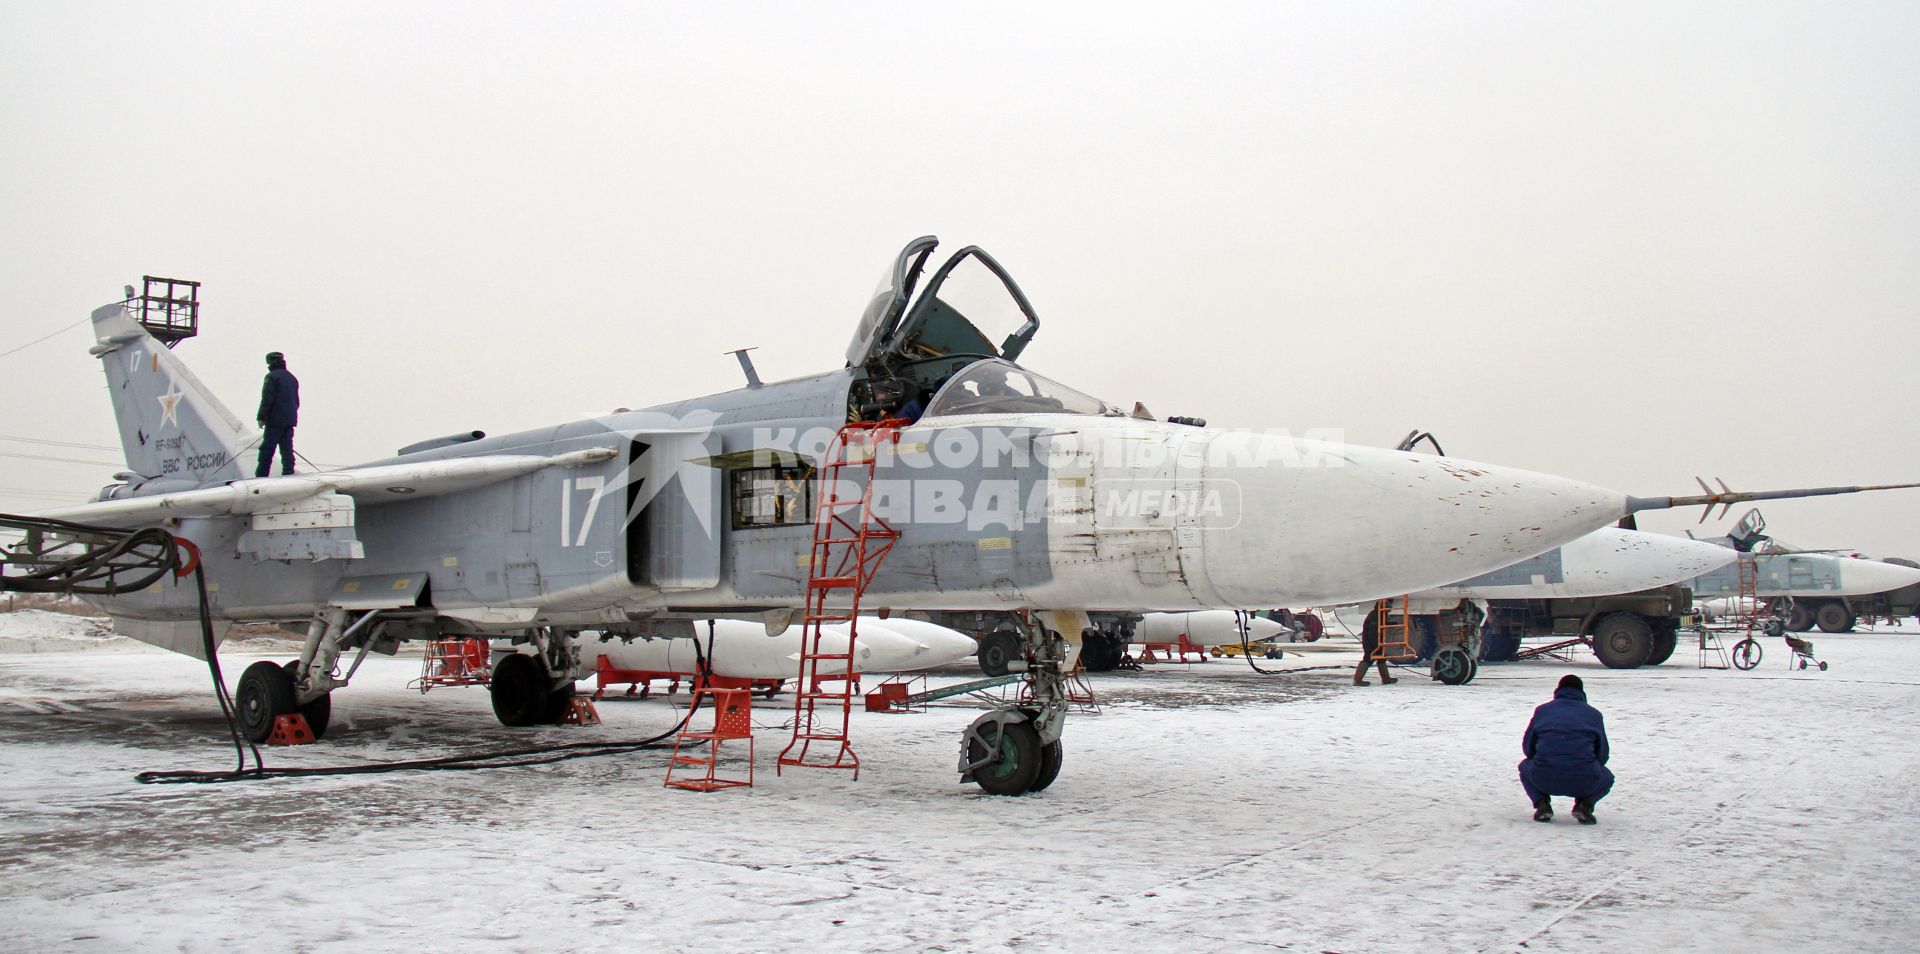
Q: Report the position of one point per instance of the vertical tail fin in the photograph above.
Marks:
(171, 426)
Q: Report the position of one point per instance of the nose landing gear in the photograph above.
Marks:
(1015, 751)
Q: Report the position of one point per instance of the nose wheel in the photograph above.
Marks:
(1454, 666)
(1015, 751)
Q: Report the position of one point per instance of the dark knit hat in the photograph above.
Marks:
(1571, 681)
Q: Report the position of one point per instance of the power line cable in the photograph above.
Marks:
(45, 337)
(58, 494)
(42, 440)
(64, 460)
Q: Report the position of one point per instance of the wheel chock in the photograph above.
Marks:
(580, 712)
(291, 730)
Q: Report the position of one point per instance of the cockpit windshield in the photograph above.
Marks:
(993, 386)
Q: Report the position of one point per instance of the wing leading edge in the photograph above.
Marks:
(367, 485)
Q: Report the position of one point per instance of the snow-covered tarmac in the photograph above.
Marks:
(1208, 808)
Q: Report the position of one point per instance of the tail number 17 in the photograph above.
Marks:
(568, 488)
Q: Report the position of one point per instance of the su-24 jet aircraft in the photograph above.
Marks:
(1812, 588)
(1018, 501)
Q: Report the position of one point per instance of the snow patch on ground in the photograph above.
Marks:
(41, 631)
(1208, 807)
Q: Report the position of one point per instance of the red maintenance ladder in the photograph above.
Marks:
(849, 543)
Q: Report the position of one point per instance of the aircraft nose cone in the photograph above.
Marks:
(1685, 559)
(1611, 560)
(1321, 524)
(1864, 577)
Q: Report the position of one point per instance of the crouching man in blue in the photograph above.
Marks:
(1566, 749)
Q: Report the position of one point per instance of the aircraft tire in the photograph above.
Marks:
(558, 701)
(1665, 641)
(519, 690)
(1051, 756)
(1098, 652)
(318, 712)
(1799, 617)
(997, 649)
(265, 694)
(1452, 666)
(1018, 765)
(1622, 641)
(1834, 617)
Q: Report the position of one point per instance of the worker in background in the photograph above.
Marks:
(1369, 646)
(279, 412)
(1566, 749)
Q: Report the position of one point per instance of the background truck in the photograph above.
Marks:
(1626, 631)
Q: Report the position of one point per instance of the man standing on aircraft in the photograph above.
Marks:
(1566, 749)
(279, 412)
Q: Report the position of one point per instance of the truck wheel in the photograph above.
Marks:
(1799, 617)
(1622, 641)
(1833, 617)
(1666, 637)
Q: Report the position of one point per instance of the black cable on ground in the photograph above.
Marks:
(1241, 621)
(151, 554)
(506, 758)
(1245, 632)
(241, 744)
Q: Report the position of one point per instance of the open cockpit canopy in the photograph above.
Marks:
(993, 386)
(965, 307)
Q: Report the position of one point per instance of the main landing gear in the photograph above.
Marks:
(524, 692)
(267, 691)
(1017, 750)
(304, 686)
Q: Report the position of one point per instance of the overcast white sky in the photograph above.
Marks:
(1627, 243)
